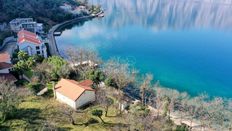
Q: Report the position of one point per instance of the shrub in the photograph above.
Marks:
(98, 113)
(91, 121)
(35, 87)
(181, 128)
(110, 82)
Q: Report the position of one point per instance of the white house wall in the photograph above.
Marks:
(33, 51)
(86, 97)
(65, 100)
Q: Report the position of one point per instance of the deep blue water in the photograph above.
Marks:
(186, 45)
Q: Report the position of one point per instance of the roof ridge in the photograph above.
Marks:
(78, 84)
(71, 88)
(73, 82)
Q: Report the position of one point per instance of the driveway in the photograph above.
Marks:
(9, 47)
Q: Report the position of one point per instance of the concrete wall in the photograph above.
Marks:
(65, 100)
(85, 98)
(30, 48)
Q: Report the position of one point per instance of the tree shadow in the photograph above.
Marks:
(64, 129)
(48, 94)
(110, 124)
(87, 106)
(91, 121)
(4, 128)
(31, 115)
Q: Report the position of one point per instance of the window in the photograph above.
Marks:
(37, 47)
(38, 52)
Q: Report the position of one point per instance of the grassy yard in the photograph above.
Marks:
(34, 111)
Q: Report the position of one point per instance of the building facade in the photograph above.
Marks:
(75, 94)
(31, 43)
(27, 24)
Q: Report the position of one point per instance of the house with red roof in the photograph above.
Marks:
(5, 63)
(31, 43)
(8, 77)
(5, 57)
(5, 67)
(75, 94)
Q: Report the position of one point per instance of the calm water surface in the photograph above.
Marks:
(187, 45)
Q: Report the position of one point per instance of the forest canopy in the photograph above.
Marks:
(47, 11)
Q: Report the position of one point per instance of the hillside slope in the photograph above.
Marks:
(46, 11)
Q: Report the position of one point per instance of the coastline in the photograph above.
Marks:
(55, 51)
(53, 48)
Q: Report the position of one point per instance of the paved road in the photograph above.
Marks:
(52, 42)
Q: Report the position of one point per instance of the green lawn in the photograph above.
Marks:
(34, 111)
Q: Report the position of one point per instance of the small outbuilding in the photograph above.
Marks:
(73, 93)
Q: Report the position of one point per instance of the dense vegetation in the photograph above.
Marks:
(46, 11)
(3, 35)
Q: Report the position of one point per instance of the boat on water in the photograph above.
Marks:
(101, 15)
(57, 33)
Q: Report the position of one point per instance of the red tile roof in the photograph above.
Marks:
(4, 65)
(25, 32)
(24, 35)
(73, 89)
(7, 77)
(4, 57)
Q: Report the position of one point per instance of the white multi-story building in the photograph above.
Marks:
(26, 23)
(31, 43)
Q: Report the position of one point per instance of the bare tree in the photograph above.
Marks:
(122, 75)
(82, 60)
(183, 100)
(67, 112)
(158, 102)
(192, 109)
(146, 84)
(215, 111)
(9, 99)
(202, 113)
(104, 100)
(42, 73)
(171, 98)
(229, 107)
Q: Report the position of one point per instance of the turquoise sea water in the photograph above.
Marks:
(186, 45)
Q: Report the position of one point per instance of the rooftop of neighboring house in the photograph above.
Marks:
(5, 57)
(4, 65)
(7, 77)
(27, 36)
(73, 89)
